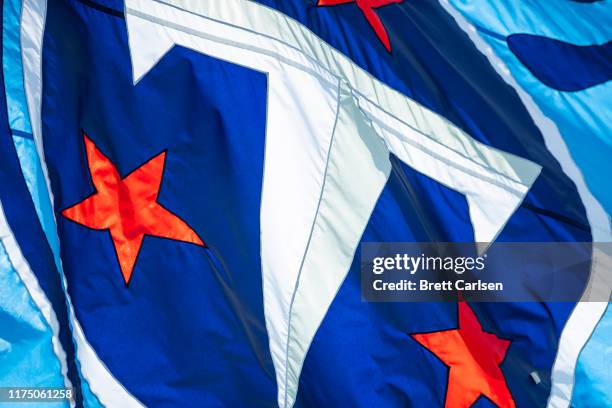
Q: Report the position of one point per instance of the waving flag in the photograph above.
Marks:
(186, 184)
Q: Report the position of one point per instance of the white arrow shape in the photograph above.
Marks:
(330, 129)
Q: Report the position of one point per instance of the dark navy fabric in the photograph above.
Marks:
(190, 326)
(583, 66)
(20, 213)
(190, 329)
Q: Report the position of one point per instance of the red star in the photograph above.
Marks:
(473, 357)
(367, 8)
(128, 207)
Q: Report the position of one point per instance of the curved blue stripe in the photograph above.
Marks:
(19, 122)
(12, 67)
(21, 215)
(561, 65)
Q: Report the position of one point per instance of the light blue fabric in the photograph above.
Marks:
(21, 129)
(594, 373)
(584, 119)
(27, 358)
(19, 121)
(13, 71)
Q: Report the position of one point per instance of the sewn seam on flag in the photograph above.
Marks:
(504, 181)
(521, 169)
(506, 186)
(325, 272)
(324, 76)
(355, 91)
(274, 288)
(299, 275)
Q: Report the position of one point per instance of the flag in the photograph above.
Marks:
(185, 187)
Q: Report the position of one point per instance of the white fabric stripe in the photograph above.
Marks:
(36, 292)
(269, 29)
(358, 169)
(33, 14)
(102, 384)
(248, 34)
(586, 315)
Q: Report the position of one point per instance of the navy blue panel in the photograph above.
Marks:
(190, 327)
(583, 66)
(21, 133)
(112, 7)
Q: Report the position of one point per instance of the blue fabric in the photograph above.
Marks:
(20, 212)
(35, 181)
(12, 67)
(433, 62)
(583, 117)
(26, 353)
(192, 319)
(583, 66)
(593, 373)
(575, 53)
(191, 326)
(374, 347)
(19, 120)
(20, 128)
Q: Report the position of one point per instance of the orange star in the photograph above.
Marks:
(128, 207)
(367, 7)
(473, 357)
